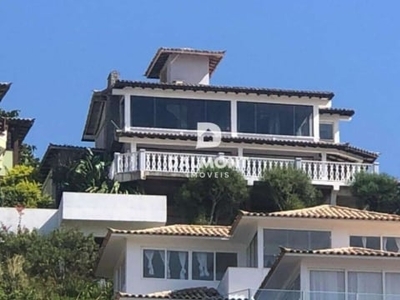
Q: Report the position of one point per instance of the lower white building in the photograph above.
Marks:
(323, 252)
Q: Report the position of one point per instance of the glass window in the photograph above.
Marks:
(392, 286)
(365, 283)
(177, 266)
(222, 262)
(203, 266)
(326, 131)
(329, 285)
(142, 111)
(296, 239)
(122, 114)
(176, 113)
(391, 244)
(252, 253)
(154, 263)
(371, 242)
(277, 119)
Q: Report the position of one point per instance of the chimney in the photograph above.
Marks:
(112, 78)
(184, 65)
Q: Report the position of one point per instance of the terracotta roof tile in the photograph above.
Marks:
(228, 138)
(4, 87)
(337, 111)
(329, 212)
(181, 230)
(224, 89)
(200, 293)
(352, 251)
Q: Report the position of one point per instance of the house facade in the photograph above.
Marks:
(12, 134)
(324, 252)
(170, 128)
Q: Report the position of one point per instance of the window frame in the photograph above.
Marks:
(381, 237)
(190, 265)
(333, 130)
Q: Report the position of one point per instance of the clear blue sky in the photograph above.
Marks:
(57, 52)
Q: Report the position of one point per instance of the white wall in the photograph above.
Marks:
(137, 284)
(44, 220)
(114, 207)
(192, 69)
(92, 213)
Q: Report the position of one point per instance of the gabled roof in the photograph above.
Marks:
(337, 111)
(162, 54)
(368, 156)
(20, 127)
(180, 230)
(199, 293)
(328, 212)
(48, 161)
(120, 84)
(346, 251)
(4, 87)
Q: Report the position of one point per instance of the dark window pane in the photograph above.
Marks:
(326, 131)
(391, 244)
(142, 111)
(177, 264)
(297, 239)
(203, 266)
(320, 239)
(371, 242)
(223, 261)
(246, 117)
(219, 112)
(154, 263)
(303, 120)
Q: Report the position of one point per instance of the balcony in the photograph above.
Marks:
(142, 164)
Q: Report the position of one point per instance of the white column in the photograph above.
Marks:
(234, 117)
(127, 113)
(133, 147)
(240, 151)
(336, 132)
(324, 166)
(316, 122)
(260, 247)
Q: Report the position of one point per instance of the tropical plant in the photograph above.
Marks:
(213, 196)
(284, 189)
(377, 192)
(54, 266)
(18, 187)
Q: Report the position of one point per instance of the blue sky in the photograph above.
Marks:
(57, 52)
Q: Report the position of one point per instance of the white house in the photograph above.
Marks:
(91, 213)
(152, 127)
(329, 252)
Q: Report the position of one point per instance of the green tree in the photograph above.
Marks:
(284, 189)
(213, 196)
(377, 192)
(18, 187)
(54, 266)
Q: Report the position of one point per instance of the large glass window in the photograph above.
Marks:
(154, 263)
(176, 113)
(368, 286)
(391, 244)
(177, 266)
(327, 285)
(203, 266)
(252, 253)
(222, 262)
(297, 239)
(277, 119)
(371, 242)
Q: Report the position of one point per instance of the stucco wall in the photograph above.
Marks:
(137, 284)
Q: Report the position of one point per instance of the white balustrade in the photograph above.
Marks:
(250, 167)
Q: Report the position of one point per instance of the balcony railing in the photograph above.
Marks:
(187, 164)
(269, 294)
